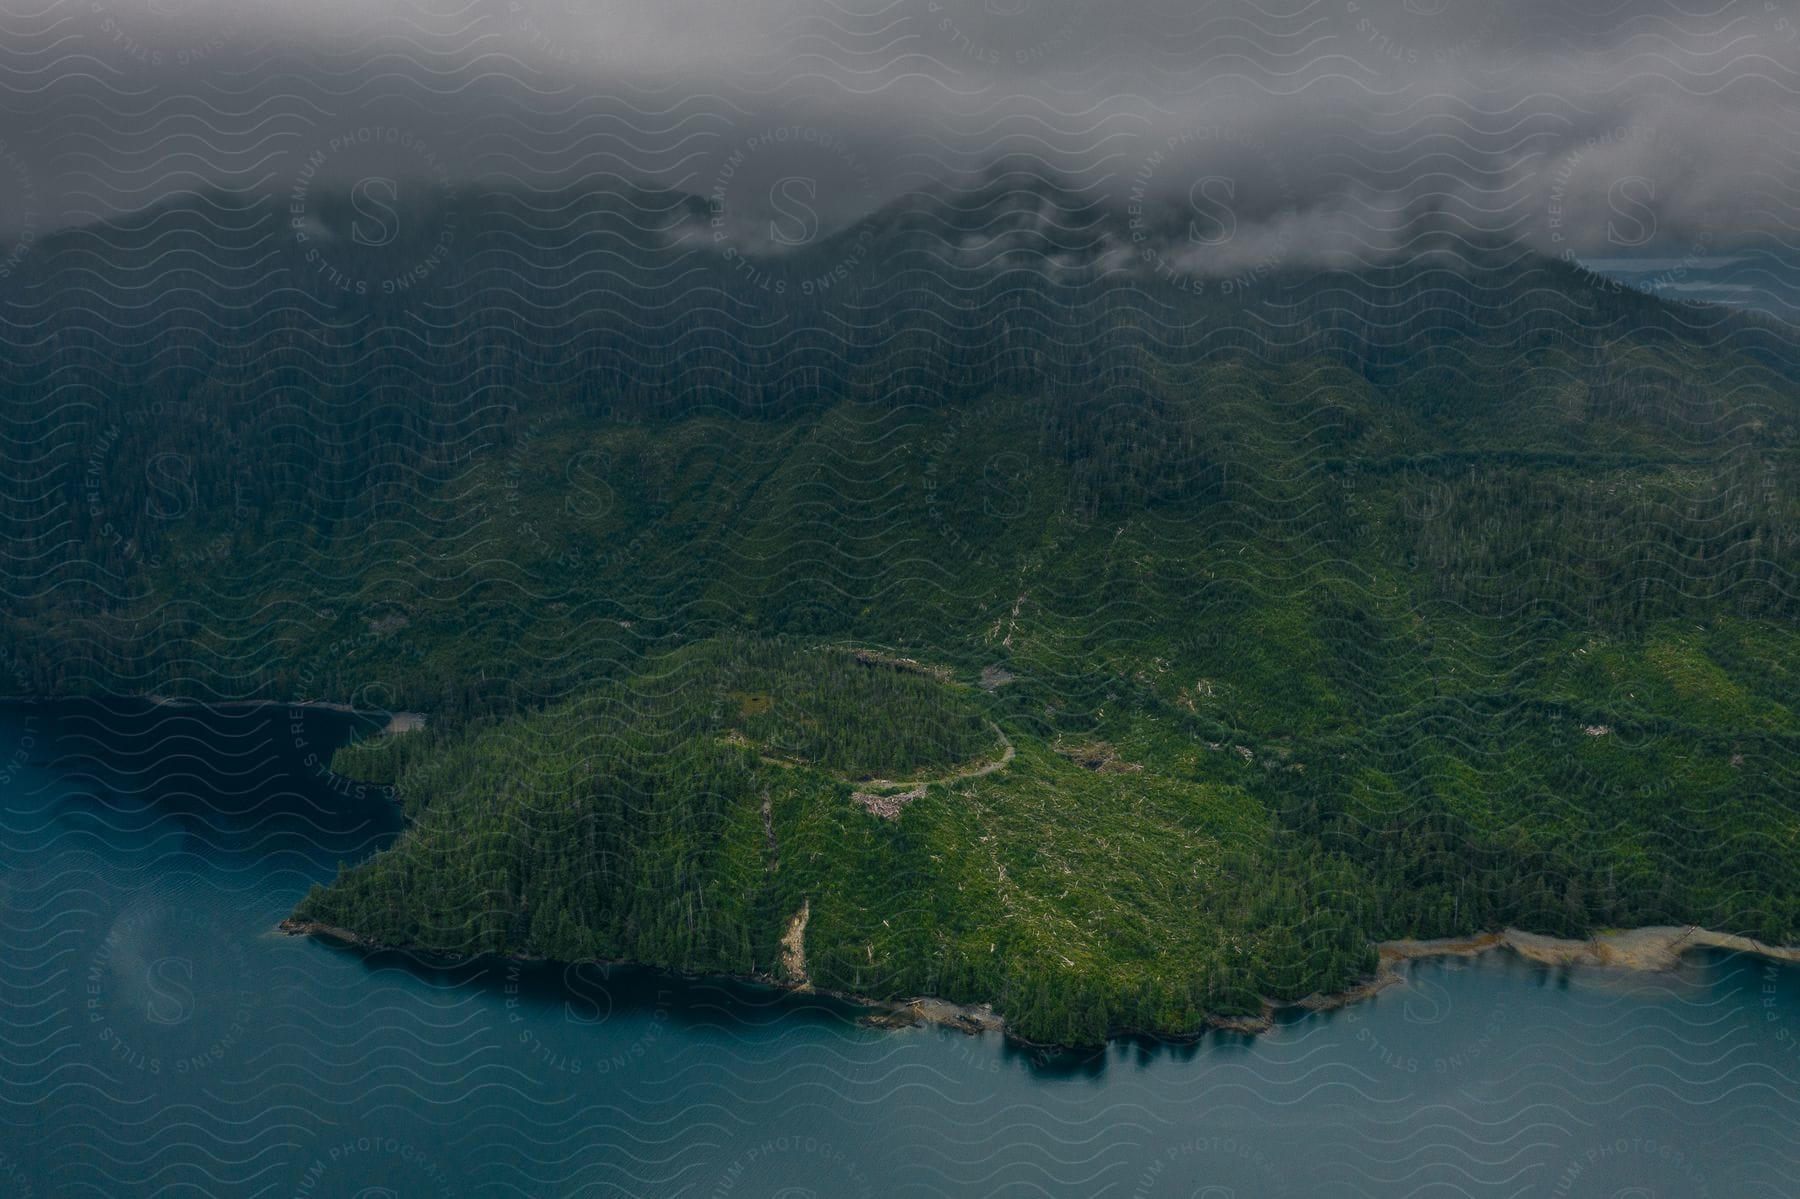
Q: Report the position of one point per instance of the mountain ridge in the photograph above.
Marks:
(1436, 596)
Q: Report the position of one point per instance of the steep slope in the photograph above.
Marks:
(1452, 592)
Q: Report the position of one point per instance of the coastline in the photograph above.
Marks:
(1648, 950)
(885, 1013)
(1652, 949)
(398, 722)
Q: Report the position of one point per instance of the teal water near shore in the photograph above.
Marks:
(159, 1038)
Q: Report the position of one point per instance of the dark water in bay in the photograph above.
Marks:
(157, 1039)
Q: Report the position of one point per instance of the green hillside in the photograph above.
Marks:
(1257, 725)
(651, 821)
(1116, 654)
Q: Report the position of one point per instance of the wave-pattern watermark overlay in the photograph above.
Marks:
(926, 597)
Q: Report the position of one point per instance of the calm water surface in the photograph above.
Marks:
(157, 1039)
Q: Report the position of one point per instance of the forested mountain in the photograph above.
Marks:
(1316, 607)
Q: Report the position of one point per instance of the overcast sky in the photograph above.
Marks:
(1643, 128)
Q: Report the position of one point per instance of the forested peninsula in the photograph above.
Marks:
(1003, 627)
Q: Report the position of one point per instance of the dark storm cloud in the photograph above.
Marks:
(1254, 131)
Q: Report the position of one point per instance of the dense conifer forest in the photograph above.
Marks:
(1455, 593)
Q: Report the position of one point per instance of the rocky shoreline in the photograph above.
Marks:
(1652, 948)
(1640, 950)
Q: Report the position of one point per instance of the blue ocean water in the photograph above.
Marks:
(157, 1037)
